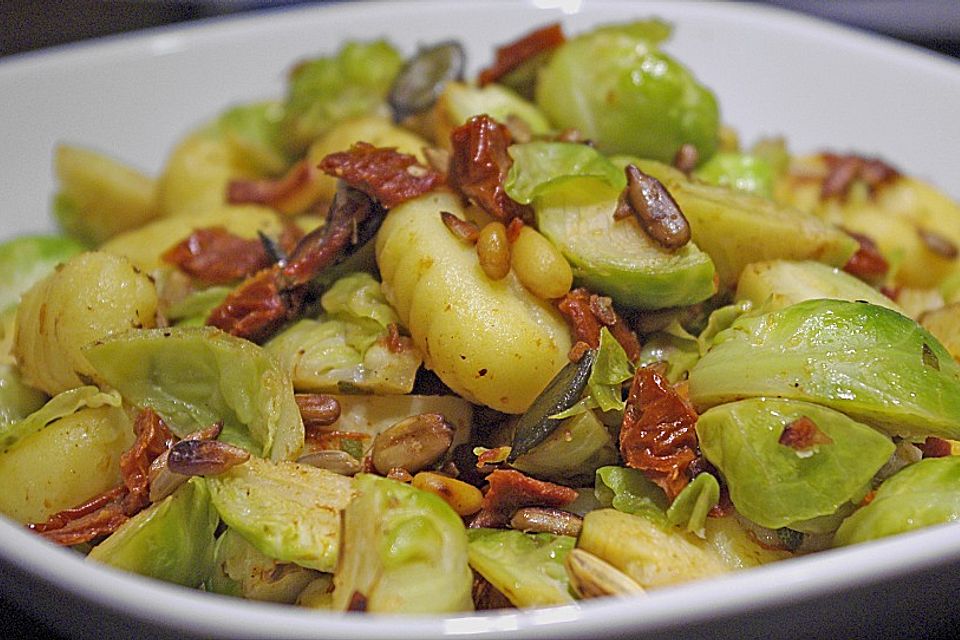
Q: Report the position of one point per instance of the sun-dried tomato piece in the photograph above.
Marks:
(213, 255)
(867, 263)
(934, 447)
(587, 313)
(294, 192)
(511, 490)
(844, 170)
(803, 434)
(104, 514)
(388, 176)
(479, 163)
(257, 308)
(512, 55)
(153, 438)
(657, 435)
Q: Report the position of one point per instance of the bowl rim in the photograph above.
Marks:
(165, 606)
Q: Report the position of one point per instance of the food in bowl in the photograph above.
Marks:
(405, 343)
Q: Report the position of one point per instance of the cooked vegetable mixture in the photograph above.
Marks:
(405, 342)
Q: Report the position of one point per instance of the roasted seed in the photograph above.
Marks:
(656, 210)
(463, 229)
(547, 520)
(334, 460)
(686, 158)
(936, 243)
(465, 498)
(421, 80)
(412, 444)
(162, 481)
(591, 577)
(539, 265)
(400, 475)
(493, 250)
(204, 457)
(317, 409)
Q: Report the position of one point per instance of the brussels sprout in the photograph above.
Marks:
(346, 348)
(289, 512)
(572, 453)
(403, 551)
(673, 345)
(944, 323)
(171, 540)
(737, 546)
(867, 361)
(652, 556)
(194, 310)
(775, 284)
(326, 90)
(920, 495)
(67, 456)
(26, 260)
(459, 102)
(92, 296)
(692, 505)
(630, 491)
(471, 330)
(735, 229)
(253, 130)
(239, 569)
(374, 129)
(610, 370)
(99, 197)
(778, 485)
(525, 567)
(17, 400)
(196, 376)
(574, 190)
(740, 172)
(616, 87)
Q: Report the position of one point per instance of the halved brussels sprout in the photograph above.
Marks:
(651, 555)
(630, 491)
(403, 551)
(99, 196)
(195, 376)
(26, 260)
(326, 90)
(867, 361)
(735, 228)
(920, 495)
(240, 569)
(572, 453)
(615, 86)
(738, 171)
(775, 284)
(459, 102)
(527, 568)
(288, 511)
(171, 540)
(253, 130)
(778, 485)
(574, 190)
(692, 505)
(346, 348)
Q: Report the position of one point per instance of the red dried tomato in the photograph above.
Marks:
(511, 490)
(511, 56)
(388, 176)
(802, 434)
(479, 163)
(213, 255)
(587, 313)
(658, 435)
(257, 308)
(294, 192)
(867, 263)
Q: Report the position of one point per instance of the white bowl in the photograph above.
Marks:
(774, 73)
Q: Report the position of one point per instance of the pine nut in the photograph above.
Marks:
(540, 266)
(465, 498)
(493, 250)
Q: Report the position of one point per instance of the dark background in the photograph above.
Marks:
(27, 25)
